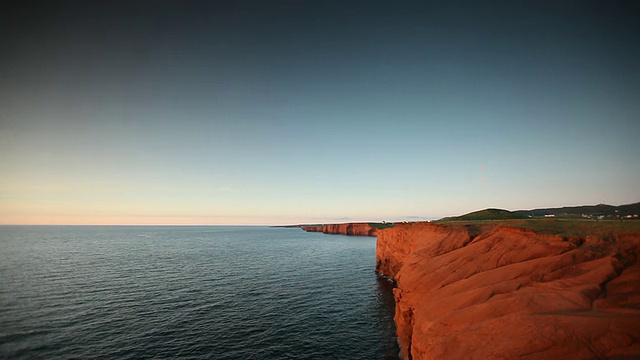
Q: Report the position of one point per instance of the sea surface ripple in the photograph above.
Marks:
(130, 292)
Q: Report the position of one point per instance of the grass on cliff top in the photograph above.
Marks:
(488, 214)
(561, 227)
(381, 225)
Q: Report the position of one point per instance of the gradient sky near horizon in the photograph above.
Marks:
(281, 112)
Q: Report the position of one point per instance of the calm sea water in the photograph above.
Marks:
(191, 292)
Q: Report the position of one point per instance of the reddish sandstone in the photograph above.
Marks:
(354, 229)
(510, 293)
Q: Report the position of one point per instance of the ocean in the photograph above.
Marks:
(210, 292)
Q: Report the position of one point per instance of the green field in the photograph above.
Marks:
(488, 214)
(381, 225)
(561, 227)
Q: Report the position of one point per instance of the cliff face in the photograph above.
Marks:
(501, 292)
(355, 229)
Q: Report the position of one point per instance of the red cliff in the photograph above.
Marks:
(503, 293)
(355, 229)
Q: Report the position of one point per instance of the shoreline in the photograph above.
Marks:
(461, 287)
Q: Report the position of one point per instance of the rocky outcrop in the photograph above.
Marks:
(354, 229)
(501, 293)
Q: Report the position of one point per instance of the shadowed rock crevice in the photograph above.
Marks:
(473, 231)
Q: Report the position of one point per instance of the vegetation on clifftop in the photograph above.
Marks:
(566, 228)
(487, 214)
(381, 226)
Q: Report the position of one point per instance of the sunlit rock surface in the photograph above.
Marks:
(503, 293)
(355, 229)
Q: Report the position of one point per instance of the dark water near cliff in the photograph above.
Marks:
(191, 292)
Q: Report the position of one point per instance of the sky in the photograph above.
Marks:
(285, 112)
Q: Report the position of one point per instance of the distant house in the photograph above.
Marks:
(549, 215)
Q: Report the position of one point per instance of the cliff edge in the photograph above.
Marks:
(496, 292)
(354, 229)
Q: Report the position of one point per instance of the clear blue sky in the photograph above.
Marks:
(279, 112)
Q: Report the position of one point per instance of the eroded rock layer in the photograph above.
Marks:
(355, 229)
(503, 293)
